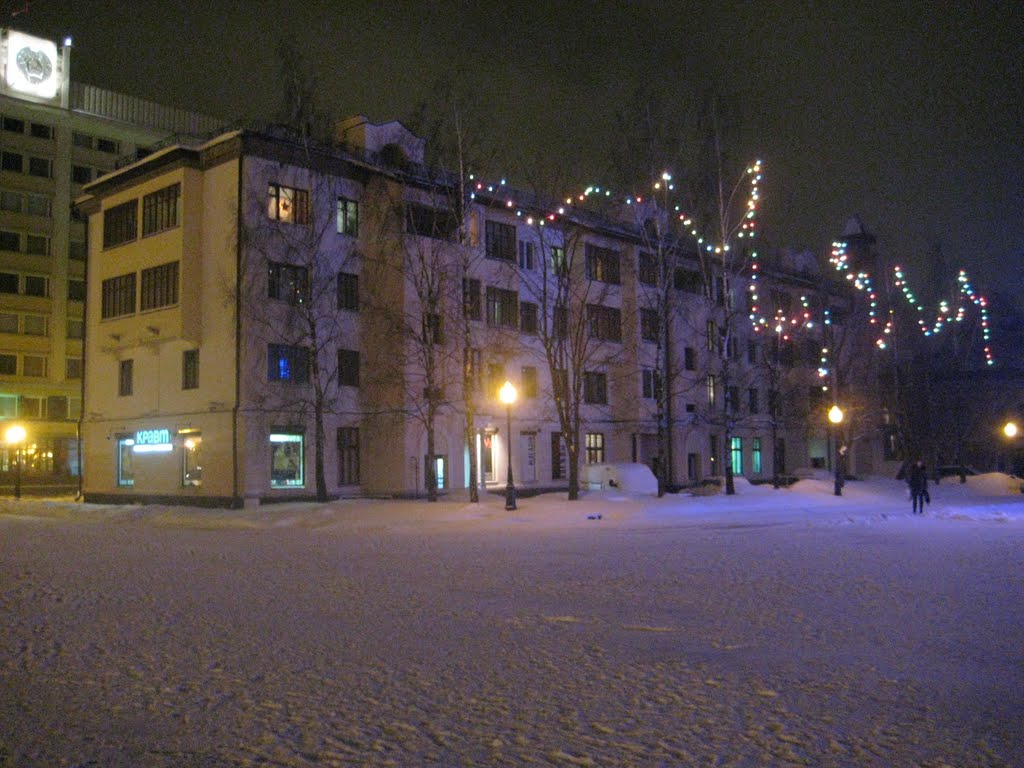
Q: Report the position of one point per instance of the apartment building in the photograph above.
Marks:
(55, 137)
(265, 311)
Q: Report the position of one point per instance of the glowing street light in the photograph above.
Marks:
(1010, 429)
(15, 435)
(508, 395)
(835, 416)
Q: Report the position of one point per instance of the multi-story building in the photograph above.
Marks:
(55, 136)
(264, 311)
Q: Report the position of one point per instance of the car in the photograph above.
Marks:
(952, 470)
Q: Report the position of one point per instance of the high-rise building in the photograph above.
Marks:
(55, 136)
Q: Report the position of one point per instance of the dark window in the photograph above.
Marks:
(56, 408)
(120, 224)
(36, 285)
(595, 448)
(557, 453)
(73, 368)
(81, 174)
(502, 307)
(10, 241)
(530, 383)
(649, 324)
(433, 328)
(42, 131)
(287, 363)
(287, 282)
(348, 368)
(14, 125)
(690, 358)
(733, 399)
(37, 245)
(107, 145)
(83, 140)
(76, 290)
(602, 264)
(752, 403)
(648, 269)
(605, 323)
(159, 287)
(651, 384)
(288, 204)
(560, 323)
(430, 222)
(40, 166)
(348, 291)
(11, 161)
(77, 250)
(528, 317)
(190, 369)
(595, 388)
(687, 280)
(118, 296)
(500, 240)
(471, 298)
(160, 209)
(124, 378)
(9, 365)
(527, 255)
(751, 351)
(348, 456)
(348, 217)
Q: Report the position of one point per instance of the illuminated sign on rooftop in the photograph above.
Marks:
(30, 65)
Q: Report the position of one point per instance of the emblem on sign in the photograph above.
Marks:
(34, 65)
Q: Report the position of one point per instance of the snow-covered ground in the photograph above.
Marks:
(787, 627)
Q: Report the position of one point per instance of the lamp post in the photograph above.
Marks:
(1010, 429)
(508, 396)
(15, 435)
(835, 416)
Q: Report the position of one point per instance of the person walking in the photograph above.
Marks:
(917, 479)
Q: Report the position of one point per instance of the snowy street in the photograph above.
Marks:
(783, 627)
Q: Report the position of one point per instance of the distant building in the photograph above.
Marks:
(55, 136)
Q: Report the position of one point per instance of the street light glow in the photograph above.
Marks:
(508, 393)
(15, 434)
(1010, 430)
(835, 414)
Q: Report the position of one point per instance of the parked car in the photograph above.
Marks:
(952, 470)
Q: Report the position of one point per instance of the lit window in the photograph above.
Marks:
(287, 204)
(287, 460)
(125, 470)
(348, 217)
(595, 448)
(192, 459)
(736, 454)
(287, 363)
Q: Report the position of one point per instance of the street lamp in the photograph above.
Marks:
(507, 394)
(1010, 429)
(835, 415)
(15, 435)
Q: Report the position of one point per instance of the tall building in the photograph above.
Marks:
(264, 311)
(55, 136)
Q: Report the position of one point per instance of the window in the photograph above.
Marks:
(125, 456)
(160, 210)
(159, 287)
(649, 324)
(37, 285)
(11, 161)
(736, 455)
(595, 388)
(751, 351)
(348, 368)
(77, 250)
(124, 378)
(647, 268)
(711, 389)
(348, 217)
(107, 145)
(56, 408)
(8, 406)
(37, 245)
(433, 328)
(348, 456)
(35, 325)
(38, 205)
(192, 460)
(560, 322)
(602, 264)
(10, 201)
(40, 166)
(687, 280)
(118, 296)
(495, 378)
(651, 384)
(8, 322)
(10, 241)
(287, 460)
(82, 140)
(559, 266)
(474, 364)
(528, 317)
(500, 240)
(119, 224)
(348, 291)
(287, 204)
(604, 323)
(527, 255)
(752, 401)
(471, 298)
(33, 365)
(287, 363)
(76, 290)
(529, 382)
(190, 369)
(8, 365)
(439, 467)
(690, 358)
(75, 328)
(595, 448)
(558, 461)
(286, 282)
(732, 399)
(42, 131)
(81, 174)
(755, 455)
(502, 307)
(712, 335)
(424, 221)
(8, 282)
(14, 125)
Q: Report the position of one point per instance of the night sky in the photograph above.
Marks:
(908, 114)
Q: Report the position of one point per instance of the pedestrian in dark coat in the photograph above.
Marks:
(917, 479)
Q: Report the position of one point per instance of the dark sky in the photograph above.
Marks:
(909, 114)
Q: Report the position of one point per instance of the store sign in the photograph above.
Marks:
(31, 65)
(153, 441)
